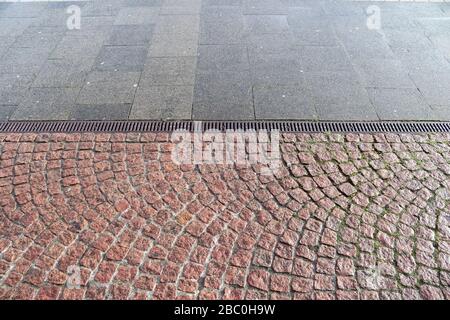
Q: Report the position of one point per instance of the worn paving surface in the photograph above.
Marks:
(346, 217)
(225, 59)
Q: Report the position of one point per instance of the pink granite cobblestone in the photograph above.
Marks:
(356, 216)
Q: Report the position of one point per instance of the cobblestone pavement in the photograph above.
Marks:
(225, 60)
(346, 216)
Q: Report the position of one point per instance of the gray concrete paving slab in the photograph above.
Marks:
(324, 58)
(174, 45)
(185, 24)
(222, 58)
(224, 95)
(284, 103)
(100, 112)
(6, 112)
(383, 73)
(137, 15)
(130, 35)
(61, 73)
(181, 6)
(339, 96)
(169, 71)
(46, 104)
(400, 104)
(163, 103)
(14, 87)
(222, 32)
(109, 87)
(266, 24)
(121, 58)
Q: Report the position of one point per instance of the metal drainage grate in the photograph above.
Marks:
(168, 126)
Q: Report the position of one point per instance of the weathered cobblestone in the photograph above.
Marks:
(346, 217)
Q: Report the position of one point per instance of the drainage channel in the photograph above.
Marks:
(169, 126)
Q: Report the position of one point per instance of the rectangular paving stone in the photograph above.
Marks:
(6, 112)
(284, 103)
(181, 6)
(163, 102)
(5, 43)
(221, 14)
(227, 3)
(64, 4)
(264, 7)
(332, 80)
(300, 19)
(434, 86)
(222, 25)
(324, 37)
(38, 37)
(305, 8)
(442, 44)
(263, 24)
(445, 7)
(311, 29)
(342, 8)
(137, 15)
(424, 61)
(365, 44)
(37, 30)
(440, 113)
(226, 32)
(14, 87)
(383, 73)
(414, 9)
(172, 71)
(395, 21)
(323, 58)
(271, 44)
(173, 45)
(345, 110)
(62, 73)
(222, 58)
(401, 41)
(14, 26)
(346, 25)
(102, 8)
(177, 23)
(13, 95)
(100, 112)
(131, 35)
(109, 88)
(400, 104)
(121, 58)
(223, 96)
(143, 3)
(56, 17)
(22, 10)
(46, 104)
(94, 25)
(276, 69)
(23, 60)
(339, 96)
(76, 47)
(434, 26)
